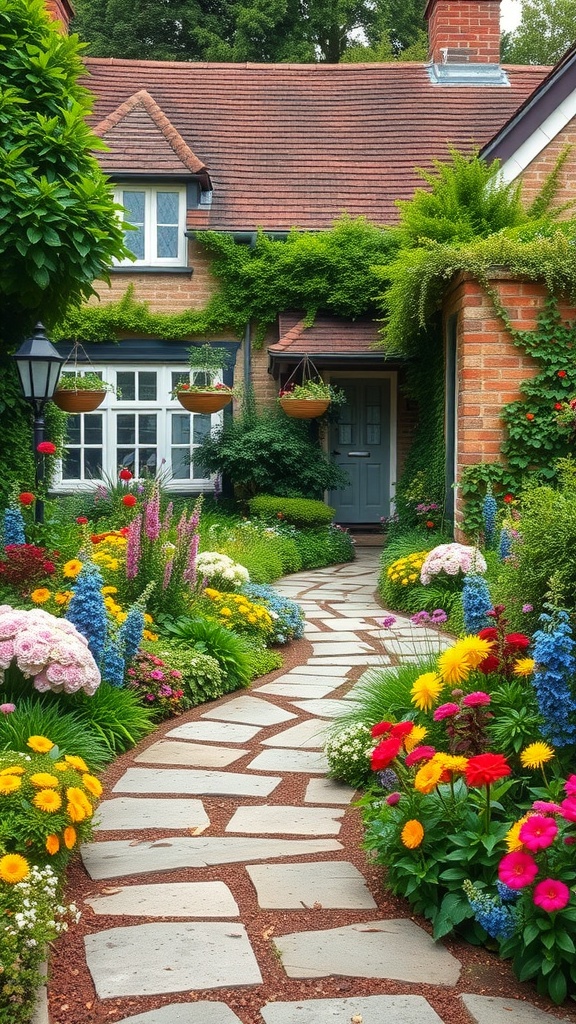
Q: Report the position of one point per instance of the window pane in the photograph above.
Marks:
(72, 430)
(178, 377)
(167, 204)
(200, 378)
(166, 243)
(71, 464)
(134, 203)
(147, 428)
(180, 429)
(147, 386)
(93, 463)
(180, 464)
(126, 426)
(134, 240)
(125, 458)
(202, 423)
(197, 472)
(147, 461)
(93, 429)
(126, 382)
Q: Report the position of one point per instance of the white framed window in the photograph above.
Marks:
(143, 429)
(157, 215)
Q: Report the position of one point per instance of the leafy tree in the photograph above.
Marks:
(245, 30)
(547, 29)
(58, 225)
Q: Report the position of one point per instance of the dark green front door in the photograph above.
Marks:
(360, 444)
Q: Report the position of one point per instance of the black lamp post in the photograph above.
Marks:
(39, 366)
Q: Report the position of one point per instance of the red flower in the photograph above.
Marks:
(419, 754)
(46, 448)
(508, 498)
(557, 405)
(401, 730)
(49, 567)
(384, 753)
(561, 373)
(125, 474)
(26, 498)
(381, 729)
(81, 520)
(484, 769)
(429, 524)
(529, 415)
(129, 500)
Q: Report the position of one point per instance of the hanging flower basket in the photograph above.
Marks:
(204, 401)
(78, 401)
(304, 408)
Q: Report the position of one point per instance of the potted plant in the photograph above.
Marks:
(81, 392)
(309, 399)
(199, 392)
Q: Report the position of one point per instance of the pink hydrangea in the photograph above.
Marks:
(538, 832)
(517, 869)
(50, 650)
(451, 559)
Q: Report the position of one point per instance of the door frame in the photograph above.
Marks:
(334, 376)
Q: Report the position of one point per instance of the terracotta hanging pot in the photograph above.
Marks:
(304, 408)
(78, 401)
(204, 401)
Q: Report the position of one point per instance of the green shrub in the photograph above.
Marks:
(116, 716)
(267, 556)
(201, 674)
(299, 511)
(348, 753)
(46, 715)
(208, 637)
(328, 545)
(263, 660)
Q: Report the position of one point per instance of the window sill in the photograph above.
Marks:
(135, 269)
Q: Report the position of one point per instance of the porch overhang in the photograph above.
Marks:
(330, 342)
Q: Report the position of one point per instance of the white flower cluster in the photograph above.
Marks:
(451, 559)
(50, 650)
(35, 915)
(220, 570)
(348, 752)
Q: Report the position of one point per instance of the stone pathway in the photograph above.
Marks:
(204, 946)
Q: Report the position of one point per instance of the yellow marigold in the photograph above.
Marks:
(109, 590)
(72, 760)
(39, 744)
(512, 837)
(9, 784)
(474, 649)
(212, 593)
(114, 564)
(226, 612)
(14, 769)
(252, 619)
(92, 784)
(415, 737)
(77, 796)
(451, 762)
(40, 595)
(47, 800)
(75, 811)
(13, 868)
(71, 568)
(427, 777)
(62, 597)
(524, 667)
(536, 755)
(404, 583)
(69, 837)
(453, 665)
(43, 780)
(425, 690)
(52, 844)
(149, 636)
(412, 834)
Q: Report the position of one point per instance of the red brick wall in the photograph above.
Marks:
(468, 24)
(165, 292)
(61, 11)
(490, 368)
(536, 173)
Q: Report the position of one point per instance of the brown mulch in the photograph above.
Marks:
(72, 998)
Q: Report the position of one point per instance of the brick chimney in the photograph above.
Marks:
(463, 31)
(62, 11)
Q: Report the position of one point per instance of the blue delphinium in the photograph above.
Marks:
(113, 665)
(489, 513)
(505, 544)
(287, 615)
(476, 602)
(555, 667)
(87, 611)
(13, 526)
(499, 918)
(130, 632)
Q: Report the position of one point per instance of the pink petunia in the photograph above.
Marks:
(569, 808)
(445, 711)
(517, 869)
(551, 895)
(475, 700)
(393, 799)
(570, 785)
(546, 807)
(538, 833)
(419, 754)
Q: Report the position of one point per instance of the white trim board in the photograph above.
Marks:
(539, 139)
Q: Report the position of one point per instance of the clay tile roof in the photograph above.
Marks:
(142, 139)
(292, 145)
(327, 337)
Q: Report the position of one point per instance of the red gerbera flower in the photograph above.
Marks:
(26, 498)
(401, 730)
(381, 729)
(484, 769)
(384, 753)
(125, 474)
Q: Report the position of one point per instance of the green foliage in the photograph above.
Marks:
(516, 717)
(201, 673)
(269, 453)
(546, 31)
(53, 716)
(327, 545)
(115, 715)
(384, 693)
(208, 637)
(16, 453)
(263, 660)
(58, 224)
(299, 511)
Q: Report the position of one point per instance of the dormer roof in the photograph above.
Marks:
(142, 141)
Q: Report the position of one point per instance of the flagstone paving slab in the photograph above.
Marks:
(117, 857)
(326, 791)
(493, 1010)
(182, 780)
(249, 710)
(323, 708)
(149, 959)
(285, 820)
(318, 670)
(309, 733)
(335, 639)
(215, 732)
(368, 1009)
(296, 689)
(197, 755)
(351, 659)
(358, 624)
(282, 759)
(331, 885)
(124, 813)
(203, 1012)
(167, 899)
(394, 949)
(329, 648)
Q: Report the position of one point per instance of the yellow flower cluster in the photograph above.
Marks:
(406, 570)
(456, 663)
(117, 612)
(439, 768)
(237, 612)
(42, 595)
